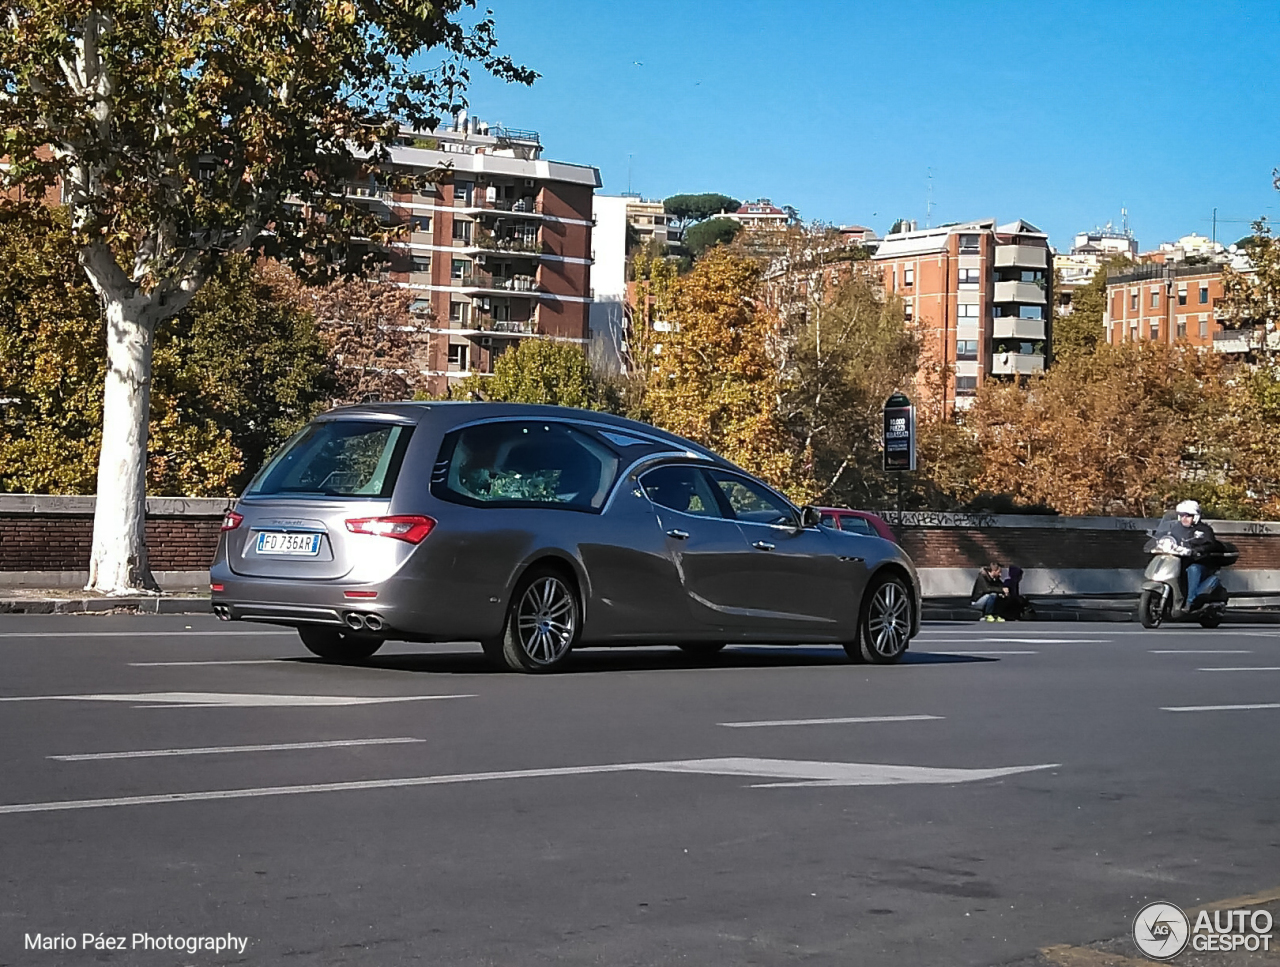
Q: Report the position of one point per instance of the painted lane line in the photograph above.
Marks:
(231, 699)
(1245, 668)
(1200, 651)
(1216, 708)
(219, 750)
(1009, 641)
(801, 774)
(140, 634)
(220, 661)
(856, 720)
(935, 651)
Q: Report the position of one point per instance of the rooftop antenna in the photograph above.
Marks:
(928, 208)
(628, 174)
(1124, 220)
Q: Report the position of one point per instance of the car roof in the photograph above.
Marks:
(449, 413)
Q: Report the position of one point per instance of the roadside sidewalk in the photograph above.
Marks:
(170, 600)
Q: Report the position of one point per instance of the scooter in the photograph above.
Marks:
(1165, 589)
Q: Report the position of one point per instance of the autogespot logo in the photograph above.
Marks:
(1161, 930)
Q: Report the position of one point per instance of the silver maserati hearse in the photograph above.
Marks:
(536, 530)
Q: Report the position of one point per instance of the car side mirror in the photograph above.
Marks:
(810, 516)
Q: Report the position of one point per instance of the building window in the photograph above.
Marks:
(1133, 301)
(461, 269)
(908, 310)
(458, 313)
(1204, 328)
(462, 191)
(420, 306)
(1031, 275)
(908, 277)
(968, 311)
(422, 263)
(1155, 298)
(966, 385)
(970, 278)
(966, 349)
(420, 223)
(1030, 312)
(1182, 295)
(1204, 295)
(457, 357)
(1155, 330)
(1182, 328)
(969, 243)
(461, 231)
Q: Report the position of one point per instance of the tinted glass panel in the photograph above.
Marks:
(336, 458)
(683, 488)
(524, 464)
(829, 520)
(857, 525)
(752, 502)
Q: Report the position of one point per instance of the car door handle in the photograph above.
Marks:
(678, 534)
(762, 546)
(851, 560)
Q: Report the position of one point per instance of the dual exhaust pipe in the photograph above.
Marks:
(358, 621)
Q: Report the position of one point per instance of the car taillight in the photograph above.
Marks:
(231, 520)
(404, 527)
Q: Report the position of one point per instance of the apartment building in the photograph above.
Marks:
(497, 251)
(1165, 303)
(978, 295)
(761, 213)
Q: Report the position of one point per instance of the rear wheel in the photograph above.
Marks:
(1211, 621)
(337, 645)
(543, 623)
(702, 649)
(884, 628)
(1151, 609)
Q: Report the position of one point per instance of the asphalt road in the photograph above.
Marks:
(1027, 785)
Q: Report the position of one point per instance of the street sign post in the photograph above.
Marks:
(899, 433)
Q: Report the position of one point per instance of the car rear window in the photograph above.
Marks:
(532, 463)
(336, 458)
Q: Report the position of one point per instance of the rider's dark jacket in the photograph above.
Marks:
(1199, 538)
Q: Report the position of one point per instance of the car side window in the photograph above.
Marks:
(523, 464)
(751, 502)
(681, 487)
(831, 520)
(857, 525)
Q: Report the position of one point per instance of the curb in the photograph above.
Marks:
(137, 605)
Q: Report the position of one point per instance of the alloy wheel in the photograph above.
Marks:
(546, 620)
(889, 620)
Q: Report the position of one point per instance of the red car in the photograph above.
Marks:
(857, 522)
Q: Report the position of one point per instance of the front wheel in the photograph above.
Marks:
(1151, 608)
(337, 645)
(1211, 621)
(543, 623)
(884, 627)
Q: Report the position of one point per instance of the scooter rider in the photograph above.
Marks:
(1192, 539)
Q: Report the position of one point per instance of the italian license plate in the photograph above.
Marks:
(300, 545)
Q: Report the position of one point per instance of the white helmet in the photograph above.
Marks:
(1191, 507)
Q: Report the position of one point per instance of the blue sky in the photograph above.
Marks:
(1060, 112)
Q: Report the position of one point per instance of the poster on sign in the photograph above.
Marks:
(899, 433)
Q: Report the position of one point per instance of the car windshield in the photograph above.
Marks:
(336, 458)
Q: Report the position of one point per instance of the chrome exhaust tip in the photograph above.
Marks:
(354, 620)
(373, 622)
(222, 611)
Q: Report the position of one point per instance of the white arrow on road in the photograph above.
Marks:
(799, 773)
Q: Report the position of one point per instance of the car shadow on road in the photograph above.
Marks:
(588, 660)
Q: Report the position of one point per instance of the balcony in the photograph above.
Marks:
(1011, 327)
(525, 245)
(527, 207)
(481, 281)
(1021, 257)
(1027, 293)
(1016, 364)
(1232, 341)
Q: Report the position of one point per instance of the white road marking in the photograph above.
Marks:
(803, 774)
(218, 750)
(220, 661)
(1243, 668)
(1200, 651)
(230, 699)
(1216, 708)
(935, 651)
(858, 720)
(139, 634)
(1009, 641)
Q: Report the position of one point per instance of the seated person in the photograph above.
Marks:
(1013, 605)
(988, 591)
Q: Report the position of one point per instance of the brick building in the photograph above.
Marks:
(978, 295)
(498, 251)
(1165, 303)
